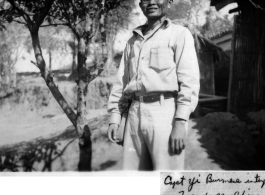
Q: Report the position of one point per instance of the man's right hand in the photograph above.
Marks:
(112, 133)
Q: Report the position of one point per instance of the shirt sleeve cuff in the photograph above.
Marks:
(183, 112)
(115, 118)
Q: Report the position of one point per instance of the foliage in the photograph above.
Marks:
(87, 20)
(11, 46)
(199, 17)
(59, 12)
(54, 40)
(179, 10)
(215, 23)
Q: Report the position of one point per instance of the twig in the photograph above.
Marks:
(68, 18)
(21, 12)
(62, 24)
(46, 9)
(17, 21)
(35, 63)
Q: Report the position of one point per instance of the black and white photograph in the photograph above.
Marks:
(131, 87)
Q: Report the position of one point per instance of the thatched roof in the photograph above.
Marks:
(220, 34)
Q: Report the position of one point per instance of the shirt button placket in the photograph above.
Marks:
(140, 59)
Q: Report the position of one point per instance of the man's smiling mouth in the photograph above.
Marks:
(151, 9)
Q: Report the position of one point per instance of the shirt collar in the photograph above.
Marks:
(138, 30)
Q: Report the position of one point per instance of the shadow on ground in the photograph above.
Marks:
(231, 143)
(217, 141)
(60, 152)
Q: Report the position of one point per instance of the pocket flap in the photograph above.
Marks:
(161, 50)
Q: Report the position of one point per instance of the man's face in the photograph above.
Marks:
(154, 9)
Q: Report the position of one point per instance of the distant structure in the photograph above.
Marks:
(223, 39)
(247, 71)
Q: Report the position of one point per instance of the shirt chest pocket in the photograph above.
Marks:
(161, 59)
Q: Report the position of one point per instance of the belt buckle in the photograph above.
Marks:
(141, 98)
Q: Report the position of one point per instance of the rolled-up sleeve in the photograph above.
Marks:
(117, 102)
(188, 75)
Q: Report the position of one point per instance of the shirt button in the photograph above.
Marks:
(142, 58)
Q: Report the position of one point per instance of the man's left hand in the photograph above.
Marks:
(177, 140)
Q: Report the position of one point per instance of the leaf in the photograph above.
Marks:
(2, 12)
(2, 27)
(9, 19)
(30, 7)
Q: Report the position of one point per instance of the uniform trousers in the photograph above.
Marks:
(147, 132)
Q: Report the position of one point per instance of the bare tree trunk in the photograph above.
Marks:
(50, 59)
(78, 120)
(85, 143)
(110, 53)
(49, 79)
(74, 56)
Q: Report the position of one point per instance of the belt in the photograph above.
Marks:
(154, 98)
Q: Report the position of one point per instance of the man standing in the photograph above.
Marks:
(159, 72)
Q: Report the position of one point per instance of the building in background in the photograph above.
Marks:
(247, 71)
(223, 39)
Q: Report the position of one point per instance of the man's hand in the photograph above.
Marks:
(112, 133)
(177, 140)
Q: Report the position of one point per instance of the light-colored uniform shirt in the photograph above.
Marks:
(163, 60)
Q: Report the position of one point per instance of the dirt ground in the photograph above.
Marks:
(35, 135)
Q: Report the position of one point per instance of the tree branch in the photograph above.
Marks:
(73, 6)
(17, 21)
(68, 18)
(62, 24)
(43, 14)
(80, 21)
(95, 25)
(95, 74)
(35, 63)
(21, 12)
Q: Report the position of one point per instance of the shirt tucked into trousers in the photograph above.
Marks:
(162, 61)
